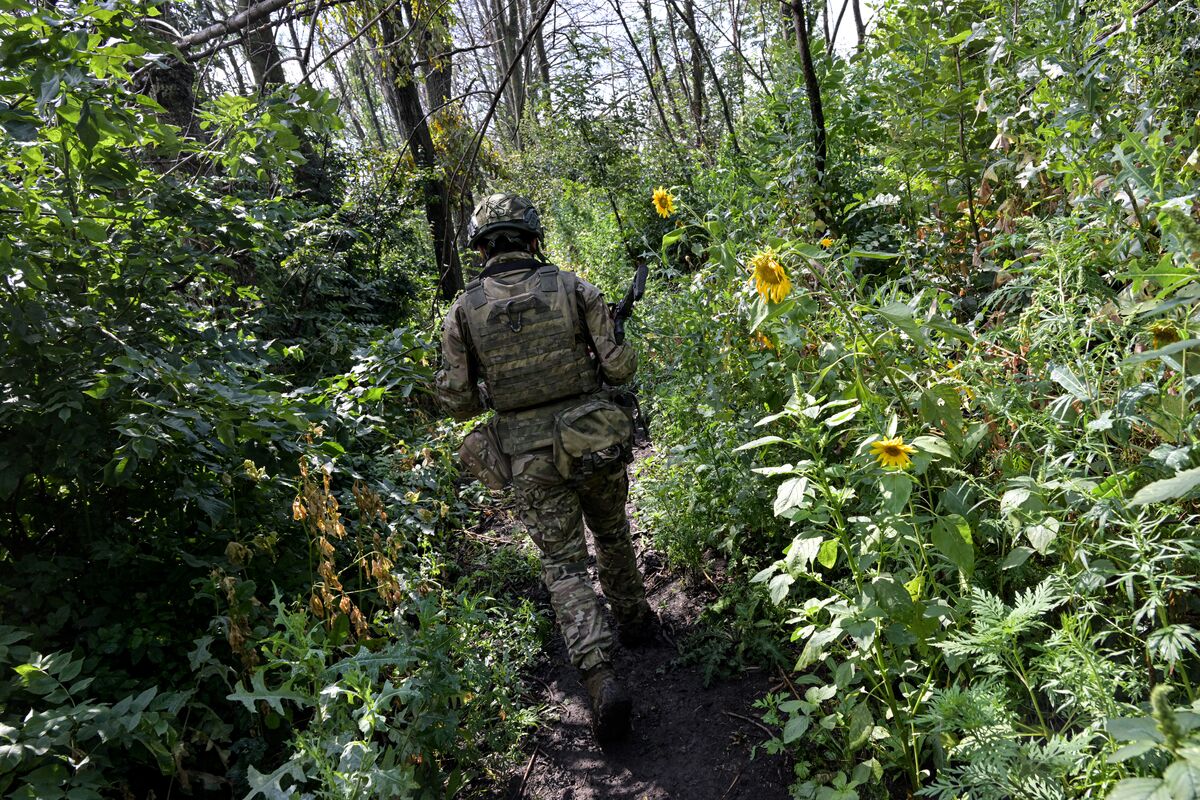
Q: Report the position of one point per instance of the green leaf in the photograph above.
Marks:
(1041, 535)
(1183, 779)
(951, 329)
(1140, 789)
(1017, 557)
(778, 587)
(795, 728)
(1132, 750)
(1132, 729)
(761, 441)
(764, 312)
(260, 692)
(933, 444)
(896, 488)
(792, 493)
(843, 416)
(802, 551)
(941, 406)
(93, 230)
(901, 316)
(1169, 350)
(861, 724)
(827, 555)
(671, 237)
(1068, 380)
(957, 38)
(1167, 489)
(952, 537)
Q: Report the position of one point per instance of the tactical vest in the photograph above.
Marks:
(527, 340)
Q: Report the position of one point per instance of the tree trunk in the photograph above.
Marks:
(683, 81)
(401, 90)
(697, 68)
(811, 86)
(356, 68)
(705, 59)
(261, 50)
(858, 21)
(656, 59)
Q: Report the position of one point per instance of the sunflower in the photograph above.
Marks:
(769, 277)
(1164, 333)
(893, 452)
(664, 202)
(826, 242)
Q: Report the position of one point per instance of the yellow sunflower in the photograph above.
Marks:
(1164, 333)
(664, 202)
(827, 242)
(770, 279)
(893, 452)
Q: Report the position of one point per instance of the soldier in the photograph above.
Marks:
(542, 343)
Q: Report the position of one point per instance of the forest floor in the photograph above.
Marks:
(689, 741)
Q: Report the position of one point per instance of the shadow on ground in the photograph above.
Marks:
(688, 742)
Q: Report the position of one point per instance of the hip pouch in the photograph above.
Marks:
(590, 436)
(480, 453)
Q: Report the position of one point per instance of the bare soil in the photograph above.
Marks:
(688, 741)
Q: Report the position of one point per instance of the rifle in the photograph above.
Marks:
(620, 312)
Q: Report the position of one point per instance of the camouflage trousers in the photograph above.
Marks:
(554, 510)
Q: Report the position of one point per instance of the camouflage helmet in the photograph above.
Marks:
(503, 212)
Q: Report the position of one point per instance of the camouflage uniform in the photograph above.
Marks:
(553, 507)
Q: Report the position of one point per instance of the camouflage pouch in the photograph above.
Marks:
(480, 453)
(591, 435)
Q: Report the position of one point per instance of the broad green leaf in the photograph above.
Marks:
(843, 416)
(1064, 377)
(1183, 779)
(1132, 729)
(763, 574)
(1168, 488)
(827, 555)
(896, 487)
(782, 469)
(778, 587)
(1169, 350)
(957, 38)
(764, 312)
(761, 441)
(1132, 750)
(93, 230)
(795, 728)
(860, 727)
(792, 493)
(1015, 558)
(933, 444)
(1042, 534)
(900, 315)
(1012, 500)
(952, 537)
(1140, 789)
(802, 551)
(951, 329)
(941, 406)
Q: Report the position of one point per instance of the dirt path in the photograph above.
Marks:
(688, 742)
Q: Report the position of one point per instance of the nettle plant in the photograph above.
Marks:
(934, 545)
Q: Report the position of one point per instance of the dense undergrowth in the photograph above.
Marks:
(1005, 308)
(230, 558)
(235, 559)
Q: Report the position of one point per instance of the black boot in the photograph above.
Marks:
(611, 706)
(638, 629)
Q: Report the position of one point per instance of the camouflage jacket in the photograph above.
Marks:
(457, 381)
